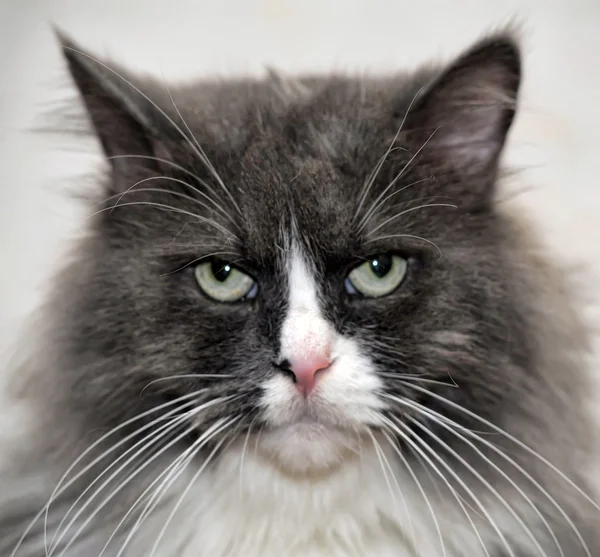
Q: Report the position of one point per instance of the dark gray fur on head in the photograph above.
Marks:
(481, 314)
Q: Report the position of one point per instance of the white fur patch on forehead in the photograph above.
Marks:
(303, 294)
(304, 328)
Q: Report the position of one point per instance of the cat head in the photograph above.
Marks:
(314, 259)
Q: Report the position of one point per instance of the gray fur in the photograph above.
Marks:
(491, 314)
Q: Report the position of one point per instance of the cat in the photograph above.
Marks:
(300, 323)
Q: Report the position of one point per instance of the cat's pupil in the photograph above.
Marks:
(381, 265)
(221, 271)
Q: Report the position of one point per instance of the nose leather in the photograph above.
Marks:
(308, 370)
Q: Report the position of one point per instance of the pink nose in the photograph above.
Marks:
(308, 371)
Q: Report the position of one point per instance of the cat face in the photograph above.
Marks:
(307, 263)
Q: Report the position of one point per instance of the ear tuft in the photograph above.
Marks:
(465, 114)
(122, 117)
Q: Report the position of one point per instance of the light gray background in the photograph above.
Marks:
(556, 138)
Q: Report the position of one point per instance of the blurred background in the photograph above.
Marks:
(555, 142)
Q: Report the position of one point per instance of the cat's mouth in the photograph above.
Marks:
(309, 432)
(309, 443)
(308, 447)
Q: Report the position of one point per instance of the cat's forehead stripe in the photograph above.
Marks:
(303, 295)
(305, 333)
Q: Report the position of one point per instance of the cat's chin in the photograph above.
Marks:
(307, 447)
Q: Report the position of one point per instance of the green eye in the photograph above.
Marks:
(224, 283)
(379, 276)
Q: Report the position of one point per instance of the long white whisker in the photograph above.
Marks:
(146, 442)
(203, 258)
(132, 476)
(502, 500)
(173, 209)
(511, 438)
(202, 154)
(170, 474)
(378, 167)
(257, 438)
(184, 171)
(405, 167)
(186, 491)
(384, 462)
(169, 469)
(405, 435)
(451, 426)
(155, 434)
(242, 457)
(199, 152)
(57, 491)
(373, 175)
(134, 189)
(417, 483)
(188, 376)
(520, 469)
(381, 457)
(391, 350)
(401, 378)
(389, 236)
(131, 189)
(461, 502)
(379, 202)
(475, 473)
(402, 213)
(60, 535)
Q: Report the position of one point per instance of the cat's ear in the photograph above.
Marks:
(464, 115)
(121, 115)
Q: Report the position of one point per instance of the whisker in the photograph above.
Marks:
(134, 189)
(199, 152)
(502, 500)
(244, 447)
(400, 378)
(173, 466)
(389, 236)
(257, 439)
(184, 170)
(372, 176)
(459, 499)
(379, 202)
(59, 536)
(451, 426)
(369, 183)
(417, 483)
(170, 474)
(388, 350)
(471, 469)
(131, 477)
(57, 491)
(382, 459)
(154, 435)
(189, 246)
(512, 438)
(401, 213)
(405, 167)
(201, 258)
(175, 210)
(405, 436)
(188, 488)
(188, 376)
(202, 154)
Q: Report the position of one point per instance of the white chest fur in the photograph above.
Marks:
(357, 511)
